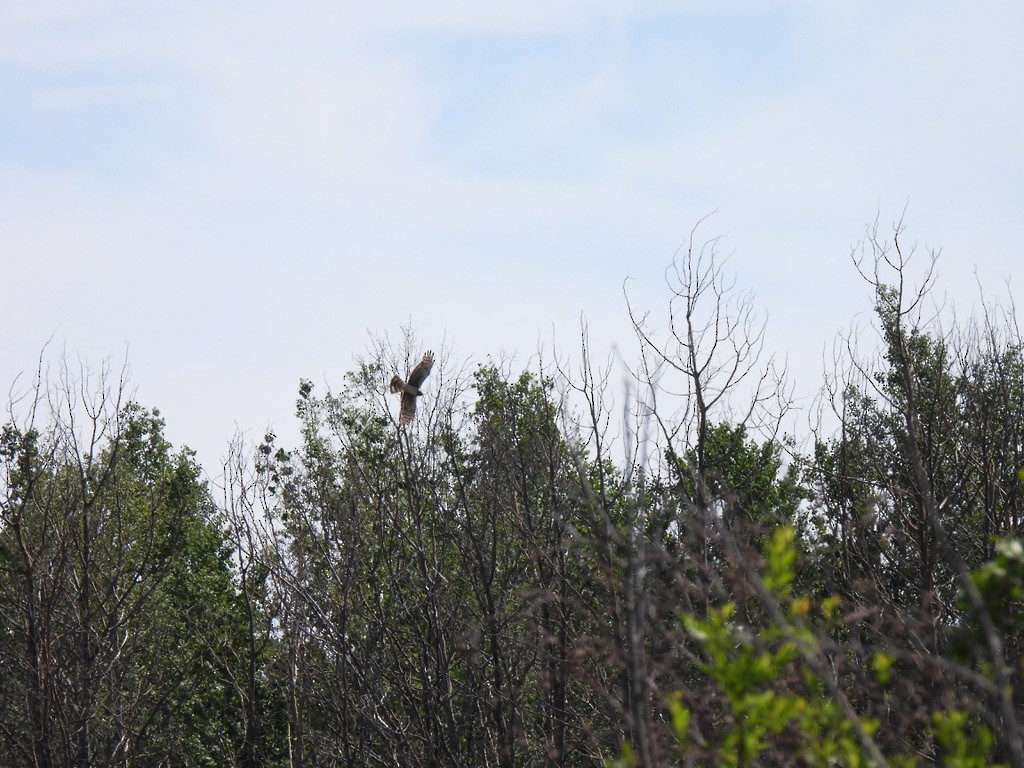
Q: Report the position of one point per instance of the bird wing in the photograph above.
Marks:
(408, 409)
(422, 370)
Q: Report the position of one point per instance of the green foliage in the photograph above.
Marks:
(871, 507)
(137, 593)
(965, 743)
(775, 702)
(745, 672)
(747, 474)
(1001, 583)
(752, 666)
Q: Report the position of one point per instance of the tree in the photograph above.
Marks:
(366, 565)
(914, 485)
(519, 500)
(110, 566)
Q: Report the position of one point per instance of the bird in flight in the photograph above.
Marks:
(411, 389)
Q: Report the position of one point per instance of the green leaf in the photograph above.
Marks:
(680, 715)
(881, 663)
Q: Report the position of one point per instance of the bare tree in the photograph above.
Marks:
(707, 364)
(653, 517)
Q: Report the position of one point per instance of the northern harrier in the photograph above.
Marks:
(411, 389)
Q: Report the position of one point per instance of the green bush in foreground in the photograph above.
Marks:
(782, 702)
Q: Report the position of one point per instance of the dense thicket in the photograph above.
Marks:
(117, 599)
(535, 572)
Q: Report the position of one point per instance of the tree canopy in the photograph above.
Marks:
(539, 570)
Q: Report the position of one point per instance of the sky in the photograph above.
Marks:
(234, 196)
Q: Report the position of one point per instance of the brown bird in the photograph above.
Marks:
(411, 389)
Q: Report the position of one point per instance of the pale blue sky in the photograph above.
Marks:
(240, 192)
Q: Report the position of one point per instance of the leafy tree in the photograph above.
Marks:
(114, 585)
(907, 496)
(521, 500)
